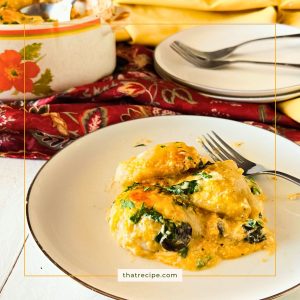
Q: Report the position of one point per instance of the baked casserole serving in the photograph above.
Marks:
(184, 210)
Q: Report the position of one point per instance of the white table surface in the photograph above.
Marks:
(13, 284)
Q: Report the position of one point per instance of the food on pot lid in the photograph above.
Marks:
(9, 10)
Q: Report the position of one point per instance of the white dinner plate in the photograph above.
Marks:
(240, 80)
(263, 99)
(68, 202)
(272, 99)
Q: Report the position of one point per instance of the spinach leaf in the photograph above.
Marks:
(174, 236)
(154, 215)
(185, 187)
(138, 215)
(145, 211)
(253, 228)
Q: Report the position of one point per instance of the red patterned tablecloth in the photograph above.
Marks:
(134, 91)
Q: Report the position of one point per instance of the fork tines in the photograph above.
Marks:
(219, 150)
(184, 54)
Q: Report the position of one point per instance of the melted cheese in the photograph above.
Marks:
(163, 160)
(9, 11)
(226, 192)
(11, 16)
(169, 184)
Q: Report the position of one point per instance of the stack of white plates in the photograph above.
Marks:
(236, 82)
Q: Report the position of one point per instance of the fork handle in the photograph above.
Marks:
(283, 175)
(265, 63)
(272, 37)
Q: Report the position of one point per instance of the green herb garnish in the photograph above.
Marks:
(182, 201)
(205, 175)
(145, 211)
(185, 188)
(154, 215)
(184, 252)
(125, 203)
(132, 187)
(253, 186)
(250, 178)
(255, 190)
(138, 215)
(203, 262)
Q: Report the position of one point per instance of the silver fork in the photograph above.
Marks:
(219, 150)
(221, 53)
(213, 64)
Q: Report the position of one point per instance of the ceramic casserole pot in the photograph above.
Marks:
(49, 58)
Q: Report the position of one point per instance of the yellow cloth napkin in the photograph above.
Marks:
(151, 21)
(121, 34)
(289, 17)
(289, 4)
(149, 25)
(206, 5)
(291, 108)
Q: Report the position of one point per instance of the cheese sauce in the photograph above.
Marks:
(184, 211)
(9, 11)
